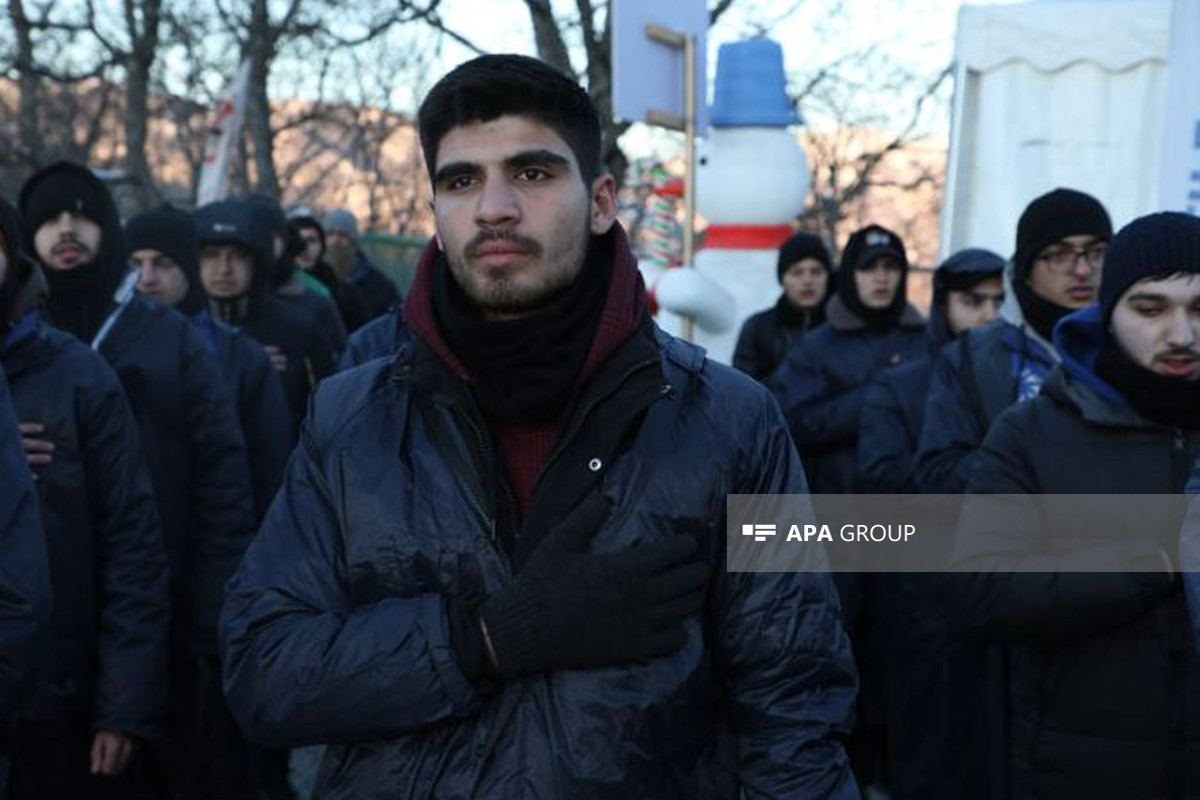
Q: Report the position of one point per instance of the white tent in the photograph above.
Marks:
(1063, 93)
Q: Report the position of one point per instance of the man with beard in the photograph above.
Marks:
(1061, 240)
(235, 268)
(804, 272)
(286, 282)
(1103, 677)
(102, 690)
(313, 266)
(497, 567)
(164, 251)
(352, 265)
(189, 429)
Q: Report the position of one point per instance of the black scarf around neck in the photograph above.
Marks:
(79, 299)
(524, 370)
(1164, 399)
(1039, 313)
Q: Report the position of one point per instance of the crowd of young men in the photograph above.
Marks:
(488, 558)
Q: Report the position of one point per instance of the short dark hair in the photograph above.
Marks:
(492, 86)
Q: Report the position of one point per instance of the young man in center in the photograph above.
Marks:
(497, 566)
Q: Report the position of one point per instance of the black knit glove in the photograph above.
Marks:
(571, 609)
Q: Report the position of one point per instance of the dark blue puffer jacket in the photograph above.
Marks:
(822, 382)
(262, 404)
(25, 600)
(974, 379)
(108, 647)
(196, 454)
(379, 338)
(335, 628)
(894, 404)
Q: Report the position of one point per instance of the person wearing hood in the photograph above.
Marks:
(1103, 677)
(164, 251)
(804, 273)
(869, 326)
(1062, 237)
(188, 425)
(316, 270)
(101, 692)
(288, 282)
(354, 267)
(235, 268)
(928, 678)
(968, 290)
(497, 567)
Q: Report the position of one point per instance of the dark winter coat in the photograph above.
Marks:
(974, 379)
(196, 455)
(325, 313)
(25, 590)
(257, 391)
(377, 292)
(270, 320)
(765, 338)
(336, 627)
(1104, 686)
(108, 642)
(379, 338)
(350, 304)
(892, 411)
(821, 385)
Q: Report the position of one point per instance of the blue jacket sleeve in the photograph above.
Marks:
(783, 654)
(885, 454)
(819, 414)
(1189, 554)
(222, 499)
(25, 593)
(948, 448)
(133, 603)
(1013, 589)
(302, 663)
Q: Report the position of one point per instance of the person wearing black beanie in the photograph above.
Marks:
(186, 427)
(1118, 415)
(1061, 240)
(82, 719)
(804, 270)
(164, 249)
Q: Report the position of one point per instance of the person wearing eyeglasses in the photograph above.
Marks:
(1062, 238)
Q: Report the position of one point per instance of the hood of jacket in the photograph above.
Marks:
(1078, 338)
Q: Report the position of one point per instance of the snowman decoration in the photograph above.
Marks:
(751, 183)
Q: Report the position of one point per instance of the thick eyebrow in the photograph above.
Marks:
(536, 158)
(453, 170)
(1147, 297)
